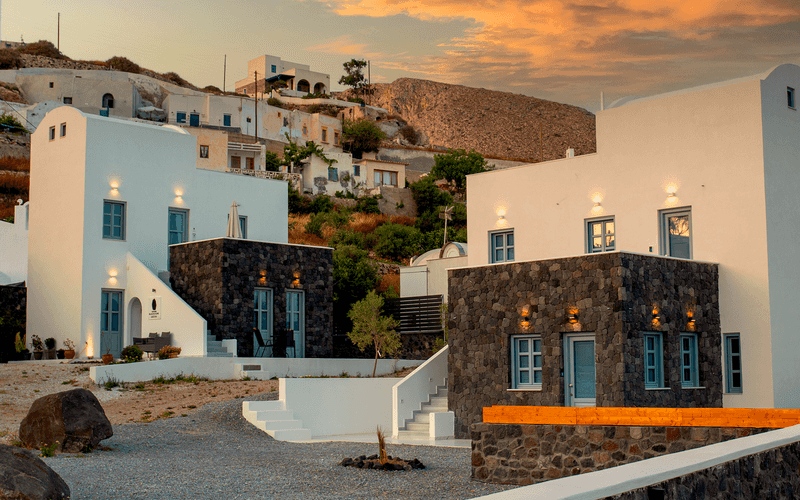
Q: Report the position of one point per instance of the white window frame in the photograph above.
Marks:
(504, 248)
(604, 247)
(729, 371)
(663, 217)
(690, 365)
(534, 362)
(658, 360)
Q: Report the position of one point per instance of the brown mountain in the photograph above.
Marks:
(497, 124)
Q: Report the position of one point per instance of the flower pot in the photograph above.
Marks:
(173, 355)
(108, 358)
(60, 354)
(37, 354)
(69, 353)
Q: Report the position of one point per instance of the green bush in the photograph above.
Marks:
(368, 205)
(361, 136)
(322, 203)
(356, 99)
(131, 354)
(274, 102)
(353, 275)
(346, 236)
(397, 242)
(10, 59)
(314, 108)
(272, 162)
(124, 64)
(298, 204)
(456, 164)
(315, 223)
(11, 121)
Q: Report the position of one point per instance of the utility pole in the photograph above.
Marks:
(255, 101)
(369, 87)
(224, 72)
(541, 144)
(58, 40)
(446, 213)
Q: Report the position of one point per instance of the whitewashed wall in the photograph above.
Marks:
(14, 247)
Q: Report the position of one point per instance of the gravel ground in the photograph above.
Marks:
(214, 453)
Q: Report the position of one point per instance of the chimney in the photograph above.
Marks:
(570, 153)
(602, 101)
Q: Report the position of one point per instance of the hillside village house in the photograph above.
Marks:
(660, 271)
(298, 77)
(109, 197)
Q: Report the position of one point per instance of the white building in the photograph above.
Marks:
(709, 173)
(107, 198)
(427, 273)
(14, 247)
(298, 77)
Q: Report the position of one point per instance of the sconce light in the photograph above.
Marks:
(112, 275)
(572, 317)
(114, 187)
(263, 277)
(597, 199)
(690, 324)
(296, 276)
(526, 319)
(656, 315)
(671, 190)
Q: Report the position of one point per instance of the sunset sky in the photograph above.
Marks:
(558, 50)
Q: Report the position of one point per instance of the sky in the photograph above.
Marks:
(564, 51)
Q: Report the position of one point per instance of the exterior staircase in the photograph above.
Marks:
(273, 418)
(419, 426)
(215, 349)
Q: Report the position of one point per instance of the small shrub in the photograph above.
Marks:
(211, 88)
(315, 223)
(48, 450)
(356, 99)
(298, 204)
(132, 354)
(409, 134)
(322, 203)
(165, 351)
(346, 237)
(11, 121)
(395, 241)
(175, 78)
(111, 383)
(275, 102)
(124, 64)
(42, 48)
(368, 205)
(314, 108)
(10, 59)
(50, 342)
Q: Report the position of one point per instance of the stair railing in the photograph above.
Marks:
(409, 394)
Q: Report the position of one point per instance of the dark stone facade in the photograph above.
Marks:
(525, 454)
(218, 279)
(771, 474)
(13, 300)
(614, 295)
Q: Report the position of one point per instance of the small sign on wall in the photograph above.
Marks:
(155, 308)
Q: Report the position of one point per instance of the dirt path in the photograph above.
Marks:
(22, 384)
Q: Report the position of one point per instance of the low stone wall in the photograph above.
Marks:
(773, 473)
(525, 454)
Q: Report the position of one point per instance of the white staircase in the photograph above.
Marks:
(215, 349)
(273, 418)
(419, 426)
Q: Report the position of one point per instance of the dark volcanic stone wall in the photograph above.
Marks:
(218, 278)
(614, 295)
(527, 454)
(13, 300)
(774, 473)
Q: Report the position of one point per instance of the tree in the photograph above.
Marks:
(353, 277)
(361, 136)
(354, 76)
(272, 162)
(370, 328)
(456, 164)
(397, 242)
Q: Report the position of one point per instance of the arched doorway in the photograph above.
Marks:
(319, 88)
(303, 86)
(134, 320)
(108, 101)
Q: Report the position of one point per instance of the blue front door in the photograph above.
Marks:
(111, 323)
(194, 120)
(579, 370)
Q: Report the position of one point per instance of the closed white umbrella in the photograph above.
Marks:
(234, 229)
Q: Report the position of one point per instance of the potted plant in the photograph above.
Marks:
(107, 357)
(50, 345)
(69, 349)
(132, 354)
(38, 346)
(19, 346)
(169, 351)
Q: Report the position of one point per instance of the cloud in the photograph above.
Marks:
(537, 45)
(343, 45)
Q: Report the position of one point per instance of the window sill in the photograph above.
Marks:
(527, 389)
(693, 387)
(732, 393)
(658, 388)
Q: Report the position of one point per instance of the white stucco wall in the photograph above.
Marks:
(14, 247)
(413, 281)
(154, 169)
(709, 144)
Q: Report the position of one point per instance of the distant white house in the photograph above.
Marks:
(426, 274)
(298, 77)
(108, 197)
(709, 174)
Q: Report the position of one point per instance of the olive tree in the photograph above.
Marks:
(370, 328)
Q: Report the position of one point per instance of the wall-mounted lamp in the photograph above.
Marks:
(112, 275)
(296, 276)
(671, 190)
(114, 187)
(572, 316)
(690, 323)
(656, 315)
(526, 319)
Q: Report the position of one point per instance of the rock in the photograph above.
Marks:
(24, 476)
(73, 418)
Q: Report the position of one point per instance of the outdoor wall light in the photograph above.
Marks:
(656, 315)
(526, 319)
(112, 275)
(597, 198)
(89, 346)
(572, 316)
(672, 189)
(114, 187)
(690, 323)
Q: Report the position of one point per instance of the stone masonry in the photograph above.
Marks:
(13, 315)
(526, 453)
(614, 295)
(218, 278)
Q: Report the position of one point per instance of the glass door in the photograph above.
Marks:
(111, 323)
(177, 231)
(579, 369)
(295, 321)
(262, 319)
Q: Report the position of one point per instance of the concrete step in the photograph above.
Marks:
(219, 355)
(438, 401)
(262, 405)
(412, 435)
(275, 415)
(273, 418)
(276, 425)
(291, 434)
(417, 427)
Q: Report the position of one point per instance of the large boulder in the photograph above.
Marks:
(73, 418)
(25, 476)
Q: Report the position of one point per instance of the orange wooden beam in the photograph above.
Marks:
(670, 417)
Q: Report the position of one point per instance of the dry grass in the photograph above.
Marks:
(14, 183)
(389, 281)
(15, 164)
(366, 223)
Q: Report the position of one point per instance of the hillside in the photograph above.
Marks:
(493, 123)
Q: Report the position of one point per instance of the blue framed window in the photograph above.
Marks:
(356, 170)
(243, 225)
(790, 97)
(733, 363)
(653, 361)
(180, 117)
(178, 226)
(600, 235)
(262, 317)
(226, 120)
(502, 246)
(689, 362)
(676, 233)
(526, 361)
(333, 174)
(113, 220)
(273, 68)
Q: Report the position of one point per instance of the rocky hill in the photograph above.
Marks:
(493, 123)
